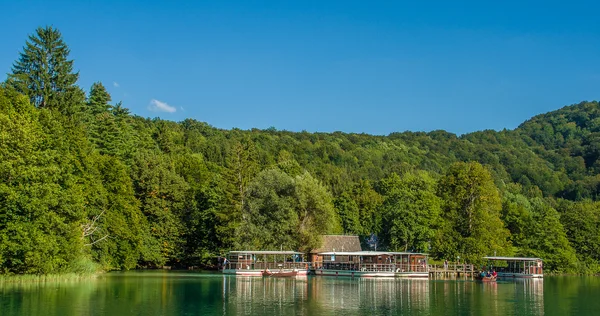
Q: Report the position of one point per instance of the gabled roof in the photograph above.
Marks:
(339, 243)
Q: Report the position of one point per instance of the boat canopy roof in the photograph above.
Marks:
(368, 253)
(512, 258)
(265, 252)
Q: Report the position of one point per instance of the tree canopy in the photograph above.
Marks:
(85, 184)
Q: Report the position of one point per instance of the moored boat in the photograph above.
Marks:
(279, 274)
(516, 267)
(254, 263)
(371, 264)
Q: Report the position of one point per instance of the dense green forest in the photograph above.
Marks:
(86, 186)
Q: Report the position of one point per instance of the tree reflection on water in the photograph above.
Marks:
(172, 293)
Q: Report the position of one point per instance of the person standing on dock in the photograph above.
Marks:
(446, 264)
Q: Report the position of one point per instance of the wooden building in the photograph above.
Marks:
(333, 243)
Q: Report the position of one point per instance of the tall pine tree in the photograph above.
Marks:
(98, 101)
(44, 73)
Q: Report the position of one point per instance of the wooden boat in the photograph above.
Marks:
(280, 274)
(253, 262)
(485, 279)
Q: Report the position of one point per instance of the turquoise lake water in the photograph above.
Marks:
(179, 293)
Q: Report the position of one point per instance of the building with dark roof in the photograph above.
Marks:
(333, 243)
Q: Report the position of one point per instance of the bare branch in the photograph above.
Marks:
(99, 240)
(90, 228)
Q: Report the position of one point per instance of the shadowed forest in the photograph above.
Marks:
(87, 186)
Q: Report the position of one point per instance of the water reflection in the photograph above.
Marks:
(572, 295)
(263, 296)
(159, 293)
(322, 295)
(346, 294)
(519, 296)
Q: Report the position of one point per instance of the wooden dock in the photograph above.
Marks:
(452, 271)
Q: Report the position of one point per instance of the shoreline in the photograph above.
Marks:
(74, 277)
(42, 278)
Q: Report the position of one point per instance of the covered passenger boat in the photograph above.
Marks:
(371, 264)
(254, 263)
(516, 267)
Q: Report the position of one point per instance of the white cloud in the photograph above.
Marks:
(159, 106)
(116, 84)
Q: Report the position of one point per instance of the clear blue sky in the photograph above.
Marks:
(353, 66)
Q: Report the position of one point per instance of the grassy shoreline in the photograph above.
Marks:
(75, 277)
(41, 278)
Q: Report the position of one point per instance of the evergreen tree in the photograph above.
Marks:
(119, 110)
(162, 195)
(44, 73)
(103, 127)
(98, 100)
(242, 166)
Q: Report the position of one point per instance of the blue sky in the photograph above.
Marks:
(352, 66)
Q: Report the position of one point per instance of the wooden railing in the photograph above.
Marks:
(267, 265)
(394, 267)
(371, 267)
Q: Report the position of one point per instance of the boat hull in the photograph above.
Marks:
(370, 274)
(258, 273)
(280, 274)
(519, 275)
(486, 279)
(412, 274)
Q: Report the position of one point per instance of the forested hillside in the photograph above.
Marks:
(85, 185)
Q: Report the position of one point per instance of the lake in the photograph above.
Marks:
(182, 293)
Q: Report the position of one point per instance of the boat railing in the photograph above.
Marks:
(398, 267)
(452, 268)
(267, 265)
(371, 267)
(519, 270)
